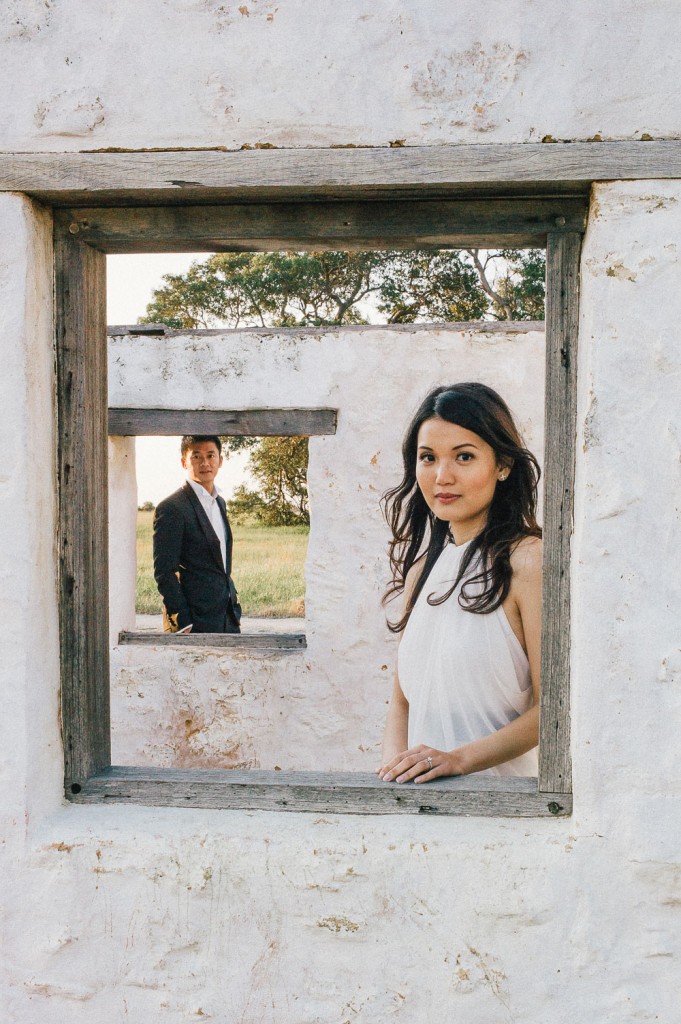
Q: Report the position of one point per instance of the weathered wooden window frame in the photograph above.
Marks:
(83, 237)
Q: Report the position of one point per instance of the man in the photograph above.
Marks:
(193, 547)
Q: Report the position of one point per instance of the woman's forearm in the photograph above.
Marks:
(423, 763)
(512, 740)
(396, 731)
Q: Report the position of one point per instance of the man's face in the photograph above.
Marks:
(202, 462)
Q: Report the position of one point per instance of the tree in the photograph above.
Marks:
(516, 285)
(279, 464)
(319, 289)
(430, 286)
(269, 289)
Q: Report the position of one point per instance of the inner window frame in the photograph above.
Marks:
(285, 422)
(82, 238)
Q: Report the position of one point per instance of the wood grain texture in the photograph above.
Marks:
(83, 542)
(480, 326)
(562, 324)
(226, 422)
(112, 178)
(83, 419)
(426, 224)
(328, 792)
(226, 641)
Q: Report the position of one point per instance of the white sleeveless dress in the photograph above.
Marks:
(464, 675)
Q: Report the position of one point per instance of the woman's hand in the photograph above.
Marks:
(421, 764)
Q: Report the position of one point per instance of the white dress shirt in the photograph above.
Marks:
(212, 510)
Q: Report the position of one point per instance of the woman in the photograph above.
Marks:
(466, 554)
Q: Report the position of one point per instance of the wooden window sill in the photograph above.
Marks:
(320, 792)
(228, 641)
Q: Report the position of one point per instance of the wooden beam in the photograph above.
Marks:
(426, 224)
(83, 542)
(562, 325)
(320, 792)
(226, 422)
(180, 177)
(480, 326)
(229, 641)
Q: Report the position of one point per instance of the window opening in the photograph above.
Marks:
(79, 295)
(269, 521)
(373, 407)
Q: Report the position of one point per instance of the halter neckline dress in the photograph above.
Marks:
(464, 675)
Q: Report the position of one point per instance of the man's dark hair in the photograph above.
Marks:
(189, 440)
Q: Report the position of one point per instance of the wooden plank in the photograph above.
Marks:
(226, 422)
(398, 224)
(164, 177)
(562, 324)
(453, 326)
(227, 641)
(320, 792)
(83, 542)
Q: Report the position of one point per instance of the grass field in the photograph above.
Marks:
(267, 568)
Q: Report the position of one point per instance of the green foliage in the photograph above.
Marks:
(279, 464)
(421, 286)
(268, 289)
(246, 506)
(317, 289)
(523, 283)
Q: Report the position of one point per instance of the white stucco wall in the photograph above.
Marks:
(116, 913)
(122, 534)
(221, 73)
(322, 708)
(28, 588)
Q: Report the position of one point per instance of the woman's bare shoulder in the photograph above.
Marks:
(526, 558)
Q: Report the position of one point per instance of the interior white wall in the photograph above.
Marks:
(264, 72)
(323, 708)
(122, 534)
(29, 661)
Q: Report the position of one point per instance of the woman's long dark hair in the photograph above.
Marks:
(512, 515)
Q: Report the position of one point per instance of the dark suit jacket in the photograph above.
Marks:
(188, 567)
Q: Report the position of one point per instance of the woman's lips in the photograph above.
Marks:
(447, 499)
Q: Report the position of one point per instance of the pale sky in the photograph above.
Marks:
(130, 283)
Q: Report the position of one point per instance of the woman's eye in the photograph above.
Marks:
(425, 457)
(465, 456)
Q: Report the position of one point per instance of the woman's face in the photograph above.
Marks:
(457, 473)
